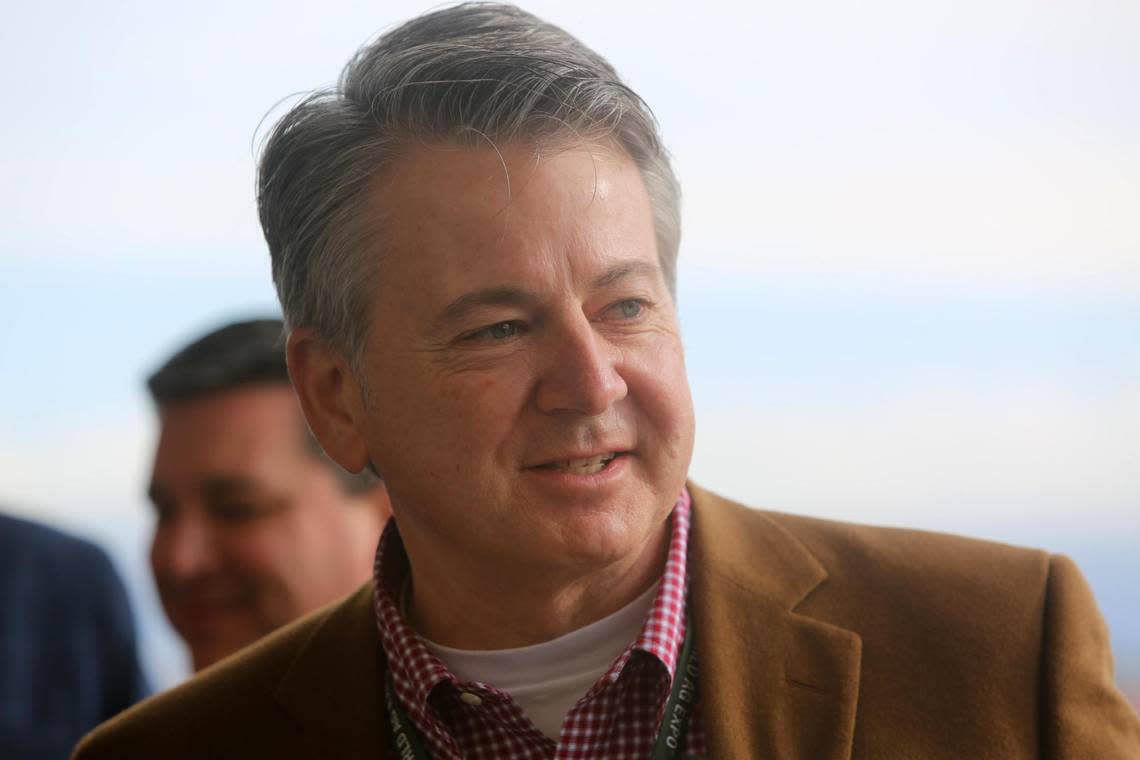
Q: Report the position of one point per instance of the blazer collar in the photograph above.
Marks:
(334, 686)
(774, 683)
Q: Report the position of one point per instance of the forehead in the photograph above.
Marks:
(450, 212)
(491, 176)
(238, 428)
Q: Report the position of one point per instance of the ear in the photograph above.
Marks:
(330, 398)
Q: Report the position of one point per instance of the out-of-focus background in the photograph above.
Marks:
(910, 277)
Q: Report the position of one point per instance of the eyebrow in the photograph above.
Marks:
(212, 487)
(506, 295)
(497, 296)
(225, 485)
(625, 270)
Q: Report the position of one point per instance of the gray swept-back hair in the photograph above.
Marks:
(466, 74)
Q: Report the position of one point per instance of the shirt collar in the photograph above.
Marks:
(664, 628)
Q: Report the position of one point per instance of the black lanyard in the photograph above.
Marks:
(670, 737)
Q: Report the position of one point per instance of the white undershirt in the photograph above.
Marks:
(548, 679)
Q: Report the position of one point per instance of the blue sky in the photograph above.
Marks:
(910, 275)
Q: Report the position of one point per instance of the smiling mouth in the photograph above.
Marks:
(588, 466)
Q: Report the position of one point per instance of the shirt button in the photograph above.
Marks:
(472, 699)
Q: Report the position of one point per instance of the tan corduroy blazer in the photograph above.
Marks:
(816, 640)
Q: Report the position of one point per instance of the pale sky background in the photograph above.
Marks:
(910, 275)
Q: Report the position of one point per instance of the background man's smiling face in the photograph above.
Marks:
(252, 529)
(525, 385)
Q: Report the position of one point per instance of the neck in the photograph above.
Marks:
(469, 606)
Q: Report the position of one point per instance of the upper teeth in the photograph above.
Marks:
(584, 466)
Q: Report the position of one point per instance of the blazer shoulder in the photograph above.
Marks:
(56, 556)
(1014, 626)
(230, 705)
(853, 548)
(846, 547)
(888, 566)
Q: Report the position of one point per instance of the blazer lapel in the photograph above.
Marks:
(334, 687)
(774, 684)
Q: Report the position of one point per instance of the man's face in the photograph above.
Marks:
(524, 384)
(253, 530)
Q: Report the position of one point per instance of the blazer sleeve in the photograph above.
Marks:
(1084, 715)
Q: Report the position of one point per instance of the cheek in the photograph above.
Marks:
(319, 527)
(173, 555)
(658, 367)
(260, 552)
(476, 408)
(159, 562)
(662, 390)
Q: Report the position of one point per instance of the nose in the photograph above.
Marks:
(581, 372)
(183, 547)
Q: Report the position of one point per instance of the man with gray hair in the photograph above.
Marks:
(474, 238)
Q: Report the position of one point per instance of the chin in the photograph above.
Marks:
(606, 538)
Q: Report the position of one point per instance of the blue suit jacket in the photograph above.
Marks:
(67, 641)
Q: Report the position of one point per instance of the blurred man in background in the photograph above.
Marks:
(255, 525)
(68, 659)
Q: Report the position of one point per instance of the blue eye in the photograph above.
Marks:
(503, 330)
(500, 331)
(630, 308)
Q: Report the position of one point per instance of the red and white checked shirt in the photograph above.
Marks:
(617, 719)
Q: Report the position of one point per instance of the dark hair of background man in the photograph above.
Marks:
(239, 354)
